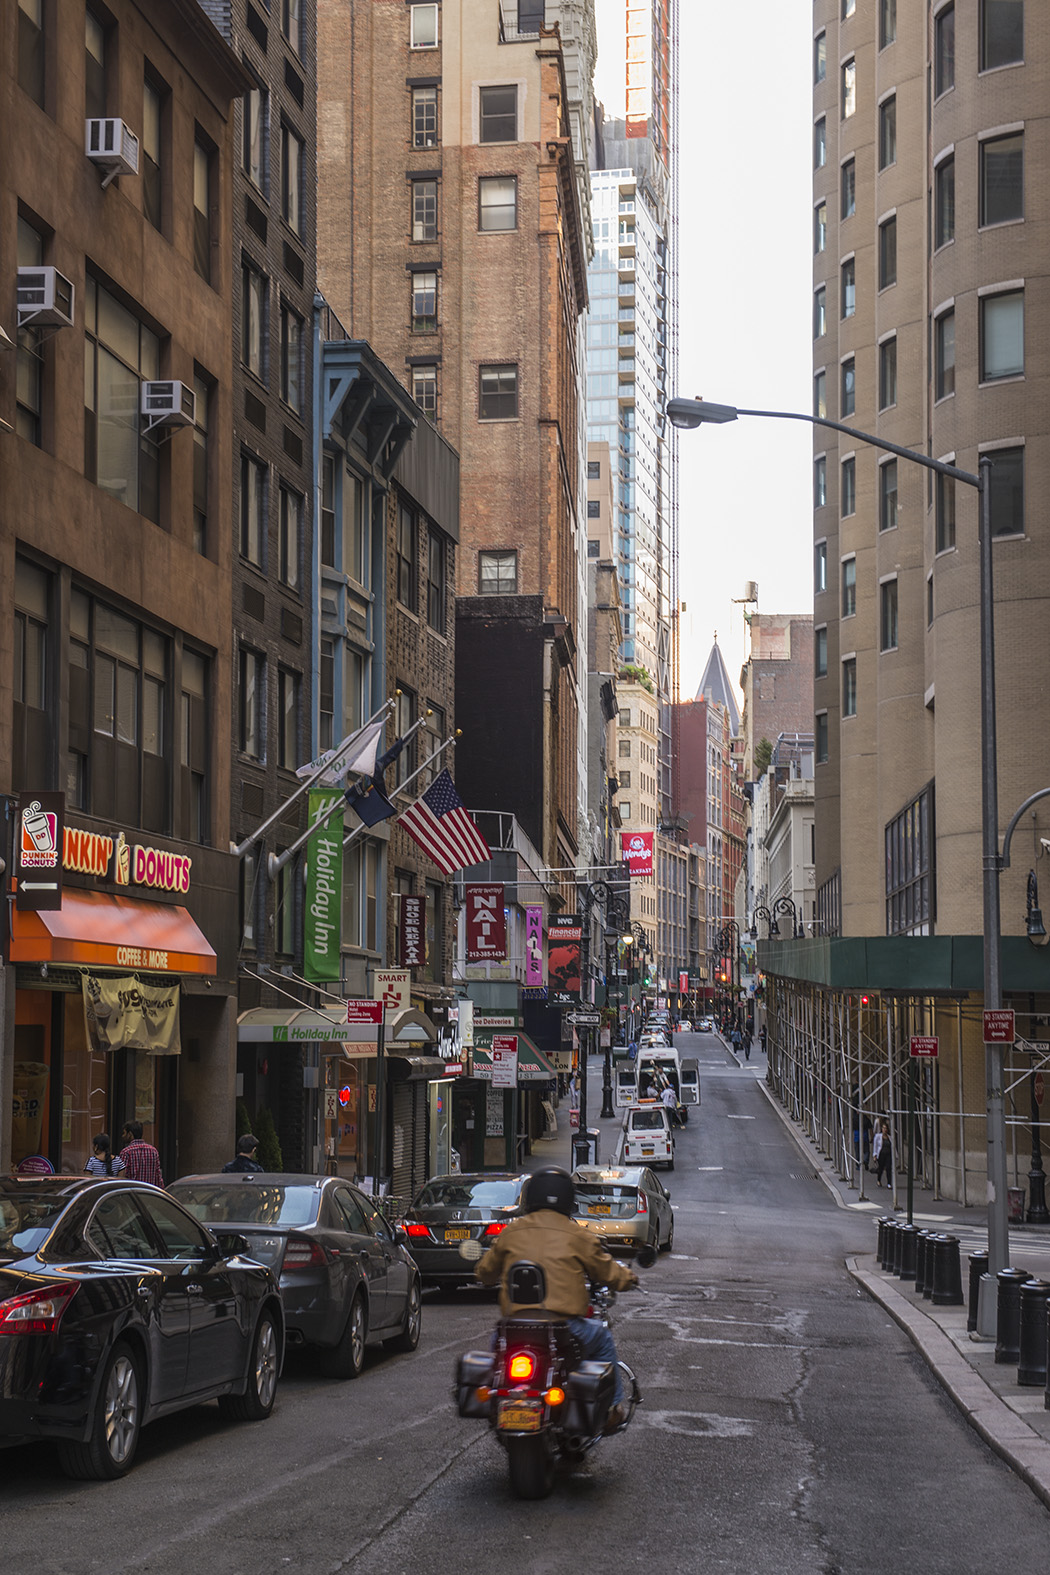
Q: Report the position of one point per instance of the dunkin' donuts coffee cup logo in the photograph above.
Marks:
(39, 828)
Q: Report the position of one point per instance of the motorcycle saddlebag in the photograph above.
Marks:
(473, 1370)
(589, 1393)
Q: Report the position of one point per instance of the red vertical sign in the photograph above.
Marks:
(486, 923)
(413, 949)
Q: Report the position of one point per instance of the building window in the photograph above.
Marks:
(498, 114)
(849, 487)
(944, 202)
(888, 494)
(848, 182)
(497, 573)
(202, 178)
(849, 686)
(327, 533)
(254, 128)
(287, 719)
(406, 711)
(820, 57)
(249, 899)
(94, 66)
(202, 390)
(326, 694)
(820, 482)
(944, 513)
(407, 557)
(944, 355)
(594, 511)
(292, 23)
(424, 117)
(944, 51)
(497, 202)
(290, 530)
(253, 509)
(1007, 492)
(1002, 179)
(1002, 33)
(193, 748)
(849, 89)
(119, 352)
(424, 388)
(909, 868)
(252, 692)
(29, 368)
(887, 22)
(820, 312)
(150, 150)
(352, 541)
(849, 386)
(291, 180)
(820, 143)
(888, 132)
(848, 298)
(849, 587)
(31, 49)
(437, 580)
(1001, 335)
(820, 394)
(594, 470)
(887, 253)
(284, 911)
(888, 615)
(887, 373)
(424, 210)
(821, 741)
(497, 393)
(820, 651)
(253, 319)
(32, 698)
(929, 601)
(820, 226)
(424, 303)
(291, 357)
(423, 32)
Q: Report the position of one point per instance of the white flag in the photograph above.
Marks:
(356, 753)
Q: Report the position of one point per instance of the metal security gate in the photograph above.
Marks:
(409, 1118)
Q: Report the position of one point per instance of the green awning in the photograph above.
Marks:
(533, 1065)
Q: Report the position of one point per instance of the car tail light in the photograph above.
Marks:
(643, 1207)
(416, 1230)
(302, 1253)
(522, 1365)
(39, 1311)
(495, 1227)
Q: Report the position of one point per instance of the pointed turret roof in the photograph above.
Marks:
(715, 685)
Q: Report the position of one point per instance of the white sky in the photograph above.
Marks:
(744, 289)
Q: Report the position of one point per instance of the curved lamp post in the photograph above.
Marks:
(601, 893)
(762, 912)
(729, 938)
(785, 905)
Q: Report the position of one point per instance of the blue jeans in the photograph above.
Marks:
(598, 1346)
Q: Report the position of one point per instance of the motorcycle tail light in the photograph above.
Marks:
(303, 1253)
(495, 1227)
(39, 1311)
(415, 1229)
(522, 1365)
(555, 1396)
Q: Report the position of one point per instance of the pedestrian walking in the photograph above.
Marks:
(103, 1161)
(883, 1150)
(245, 1159)
(762, 1038)
(747, 1045)
(734, 1040)
(141, 1160)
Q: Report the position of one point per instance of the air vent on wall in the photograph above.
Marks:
(293, 445)
(291, 626)
(255, 410)
(252, 798)
(254, 602)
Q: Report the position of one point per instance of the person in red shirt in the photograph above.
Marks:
(141, 1160)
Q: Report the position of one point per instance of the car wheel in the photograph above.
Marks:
(346, 1359)
(408, 1339)
(115, 1426)
(669, 1243)
(257, 1401)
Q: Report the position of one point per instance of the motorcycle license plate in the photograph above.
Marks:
(457, 1235)
(520, 1416)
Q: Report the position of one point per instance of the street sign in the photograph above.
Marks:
(583, 1019)
(331, 1104)
(359, 1011)
(999, 1027)
(924, 1045)
(1033, 1046)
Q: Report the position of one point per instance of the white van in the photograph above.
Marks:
(647, 1135)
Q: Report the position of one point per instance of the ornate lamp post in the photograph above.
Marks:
(785, 905)
(762, 912)
(601, 893)
(729, 938)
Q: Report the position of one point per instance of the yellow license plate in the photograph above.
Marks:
(648, 1151)
(600, 1208)
(457, 1235)
(517, 1416)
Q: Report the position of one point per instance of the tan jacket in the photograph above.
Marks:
(568, 1254)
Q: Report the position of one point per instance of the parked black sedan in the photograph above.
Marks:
(117, 1307)
(450, 1210)
(345, 1275)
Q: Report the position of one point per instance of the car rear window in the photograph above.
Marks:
(460, 1192)
(621, 1202)
(244, 1204)
(26, 1220)
(648, 1120)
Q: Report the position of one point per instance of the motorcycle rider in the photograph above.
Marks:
(545, 1233)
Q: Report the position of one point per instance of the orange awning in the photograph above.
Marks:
(107, 931)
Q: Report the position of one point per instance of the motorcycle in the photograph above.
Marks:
(544, 1403)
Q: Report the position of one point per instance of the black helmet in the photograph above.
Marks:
(549, 1189)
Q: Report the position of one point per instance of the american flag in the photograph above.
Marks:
(444, 829)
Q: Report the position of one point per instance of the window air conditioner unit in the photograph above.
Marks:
(168, 404)
(45, 297)
(113, 146)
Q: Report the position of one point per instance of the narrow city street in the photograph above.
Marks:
(787, 1424)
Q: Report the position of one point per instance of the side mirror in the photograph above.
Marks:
(232, 1244)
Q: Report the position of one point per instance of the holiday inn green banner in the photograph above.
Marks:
(324, 891)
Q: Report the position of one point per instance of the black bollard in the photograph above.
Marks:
(922, 1242)
(1008, 1315)
(907, 1234)
(1031, 1360)
(947, 1275)
(978, 1266)
(887, 1243)
(898, 1248)
(880, 1250)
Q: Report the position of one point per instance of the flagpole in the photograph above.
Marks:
(239, 849)
(428, 761)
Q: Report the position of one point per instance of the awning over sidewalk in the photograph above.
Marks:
(292, 1025)
(103, 930)
(533, 1065)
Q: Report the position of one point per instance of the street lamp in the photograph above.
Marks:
(596, 891)
(762, 912)
(690, 413)
(785, 905)
(729, 938)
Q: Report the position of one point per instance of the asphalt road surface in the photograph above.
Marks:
(788, 1426)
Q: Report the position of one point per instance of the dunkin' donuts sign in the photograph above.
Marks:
(126, 863)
